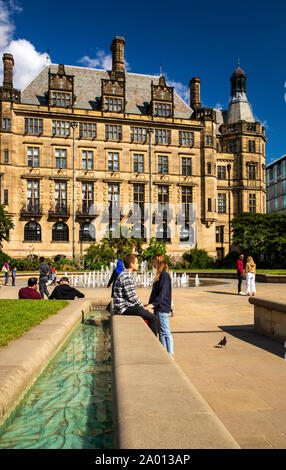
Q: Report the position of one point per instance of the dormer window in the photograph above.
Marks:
(113, 105)
(162, 109)
(61, 100)
(113, 95)
(162, 99)
(61, 89)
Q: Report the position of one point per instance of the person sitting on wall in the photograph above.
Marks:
(30, 292)
(125, 299)
(64, 291)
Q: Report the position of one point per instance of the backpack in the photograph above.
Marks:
(4, 269)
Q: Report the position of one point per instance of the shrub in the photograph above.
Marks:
(155, 248)
(196, 258)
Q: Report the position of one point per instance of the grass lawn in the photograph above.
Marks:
(19, 315)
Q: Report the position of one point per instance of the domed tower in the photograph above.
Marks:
(239, 108)
(240, 161)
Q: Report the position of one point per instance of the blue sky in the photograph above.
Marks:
(187, 38)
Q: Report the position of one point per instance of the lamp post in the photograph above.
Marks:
(229, 213)
(74, 125)
(150, 132)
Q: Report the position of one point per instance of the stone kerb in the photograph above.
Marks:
(23, 359)
(155, 405)
(269, 318)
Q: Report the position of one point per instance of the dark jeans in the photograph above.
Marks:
(139, 311)
(42, 286)
(240, 278)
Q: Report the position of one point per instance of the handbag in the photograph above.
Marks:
(4, 269)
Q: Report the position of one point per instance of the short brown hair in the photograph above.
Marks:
(128, 259)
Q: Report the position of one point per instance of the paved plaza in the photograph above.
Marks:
(244, 383)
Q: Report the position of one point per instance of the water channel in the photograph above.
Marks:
(69, 406)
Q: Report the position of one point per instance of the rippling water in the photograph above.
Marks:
(69, 406)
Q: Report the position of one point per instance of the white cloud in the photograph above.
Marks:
(182, 90)
(27, 60)
(102, 60)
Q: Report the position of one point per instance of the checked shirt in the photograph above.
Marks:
(124, 295)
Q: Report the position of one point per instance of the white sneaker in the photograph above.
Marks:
(241, 293)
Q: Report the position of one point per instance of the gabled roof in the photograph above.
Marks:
(87, 89)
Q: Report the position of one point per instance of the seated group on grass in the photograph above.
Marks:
(61, 292)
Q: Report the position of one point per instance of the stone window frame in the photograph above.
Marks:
(33, 126)
(87, 130)
(33, 160)
(113, 104)
(186, 138)
(60, 128)
(163, 164)
(87, 163)
(221, 203)
(139, 165)
(186, 165)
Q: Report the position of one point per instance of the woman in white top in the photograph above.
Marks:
(250, 270)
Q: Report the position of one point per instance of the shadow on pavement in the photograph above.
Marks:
(248, 334)
(225, 293)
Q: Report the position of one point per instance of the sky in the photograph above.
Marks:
(188, 39)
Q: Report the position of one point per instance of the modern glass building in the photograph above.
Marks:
(276, 185)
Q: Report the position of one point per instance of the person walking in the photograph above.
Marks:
(14, 275)
(250, 270)
(6, 270)
(239, 265)
(161, 299)
(44, 269)
(125, 299)
(119, 268)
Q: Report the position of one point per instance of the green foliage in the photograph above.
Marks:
(155, 248)
(99, 254)
(229, 261)
(3, 258)
(109, 249)
(18, 316)
(262, 236)
(196, 258)
(6, 225)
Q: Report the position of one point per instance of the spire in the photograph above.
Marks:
(239, 108)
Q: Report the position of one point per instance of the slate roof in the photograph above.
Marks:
(87, 88)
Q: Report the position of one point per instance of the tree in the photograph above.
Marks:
(6, 225)
(262, 236)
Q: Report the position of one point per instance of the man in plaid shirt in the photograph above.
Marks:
(125, 299)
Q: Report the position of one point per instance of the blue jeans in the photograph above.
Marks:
(166, 337)
(6, 278)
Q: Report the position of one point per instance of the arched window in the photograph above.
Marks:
(60, 232)
(87, 233)
(32, 232)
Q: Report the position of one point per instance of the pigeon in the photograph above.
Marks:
(222, 342)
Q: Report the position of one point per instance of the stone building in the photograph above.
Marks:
(276, 185)
(78, 137)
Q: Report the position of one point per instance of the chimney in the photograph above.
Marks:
(195, 94)
(117, 49)
(8, 70)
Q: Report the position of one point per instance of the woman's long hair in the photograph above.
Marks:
(251, 262)
(161, 265)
